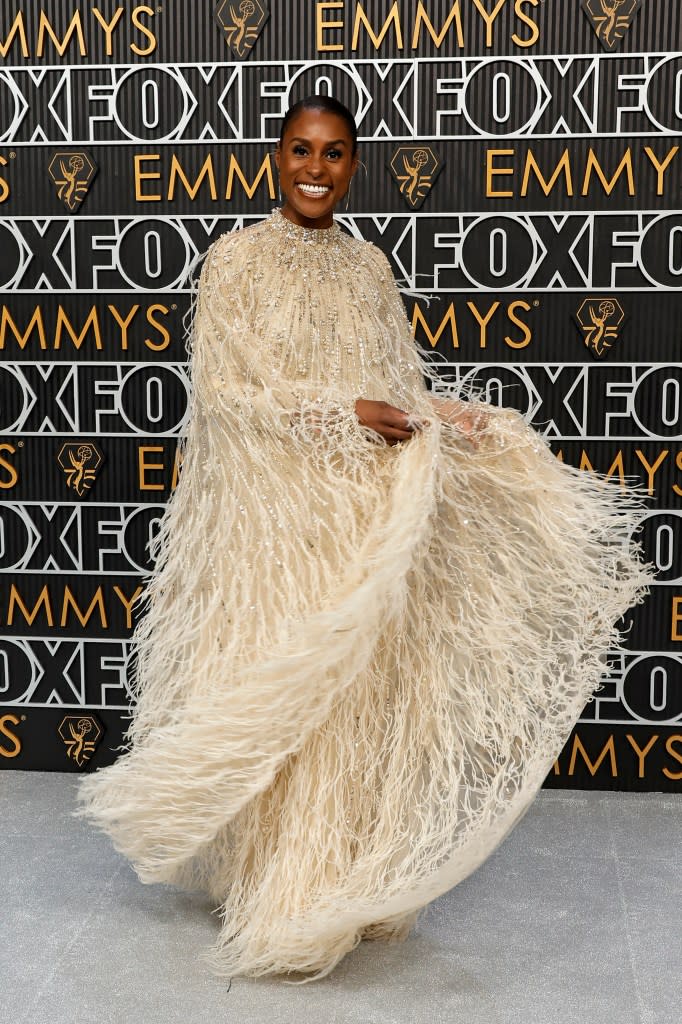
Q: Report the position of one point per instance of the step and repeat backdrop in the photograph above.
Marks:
(523, 177)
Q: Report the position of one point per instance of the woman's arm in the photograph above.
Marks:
(466, 417)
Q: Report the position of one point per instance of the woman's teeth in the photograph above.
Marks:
(313, 190)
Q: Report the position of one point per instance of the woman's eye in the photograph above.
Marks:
(299, 150)
(334, 154)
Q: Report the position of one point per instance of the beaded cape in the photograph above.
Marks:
(357, 662)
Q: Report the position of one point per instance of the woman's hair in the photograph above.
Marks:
(330, 106)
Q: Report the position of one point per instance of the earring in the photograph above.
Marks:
(350, 185)
(364, 167)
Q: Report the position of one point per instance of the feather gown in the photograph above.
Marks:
(357, 662)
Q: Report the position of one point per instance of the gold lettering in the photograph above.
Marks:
(145, 467)
(323, 26)
(12, 737)
(393, 17)
(535, 31)
(483, 323)
(77, 339)
(489, 18)
(176, 171)
(676, 624)
(177, 463)
(609, 749)
(422, 17)
(6, 484)
(109, 26)
(15, 599)
(491, 171)
(22, 339)
(141, 175)
(660, 168)
(527, 333)
(123, 324)
(264, 169)
(673, 753)
(418, 320)
(18, 27)
(161, 328)
(608, 186)
(144, 29)
(547, 186)
(128, 603)
(69, 601)
(678, 463)
(641, 754)
(45, 28)
(651, 470)
(616, 466)
(4, 185)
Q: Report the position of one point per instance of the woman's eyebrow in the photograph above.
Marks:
(333, 142)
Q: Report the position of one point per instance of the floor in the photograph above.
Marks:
(575, 919)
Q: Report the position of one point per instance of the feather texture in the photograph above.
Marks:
(357, 662)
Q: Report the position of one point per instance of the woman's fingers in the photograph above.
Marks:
(391, 423)
(392, 434)
(396, 426)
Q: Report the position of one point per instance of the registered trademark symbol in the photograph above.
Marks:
(12, 154)
(20, 444)
(23, 718)
(536, 302)
(174, 305)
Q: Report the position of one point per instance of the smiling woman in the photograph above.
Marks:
(315, 171)
(375, 615)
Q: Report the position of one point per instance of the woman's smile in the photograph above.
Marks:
(315, 191)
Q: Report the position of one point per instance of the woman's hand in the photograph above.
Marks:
(393, 424)
(467, 418)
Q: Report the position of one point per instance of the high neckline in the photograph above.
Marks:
(314, 236)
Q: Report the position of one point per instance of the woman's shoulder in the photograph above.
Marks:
(232, 253)
(366, 253)
(235, 241)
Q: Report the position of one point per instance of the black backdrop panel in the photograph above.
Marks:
(543, 262)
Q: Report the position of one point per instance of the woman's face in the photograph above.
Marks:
(316, 163)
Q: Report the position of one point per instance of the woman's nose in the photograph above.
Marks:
(314, 163)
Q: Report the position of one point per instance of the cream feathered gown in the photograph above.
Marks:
(358, 662)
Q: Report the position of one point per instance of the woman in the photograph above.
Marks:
(374, 617)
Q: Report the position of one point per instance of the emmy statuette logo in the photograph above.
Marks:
(80, 734)
(241, 22)
(415, 169)
(601, 323)
(80, 462)
(611, 19)
(72, 173)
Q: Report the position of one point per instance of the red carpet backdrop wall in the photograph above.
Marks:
(524, 170)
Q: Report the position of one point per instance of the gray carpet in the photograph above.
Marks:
(576, 919)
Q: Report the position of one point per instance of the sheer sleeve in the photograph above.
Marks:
(233, 382)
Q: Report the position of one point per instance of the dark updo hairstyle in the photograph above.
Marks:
(330, 106)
